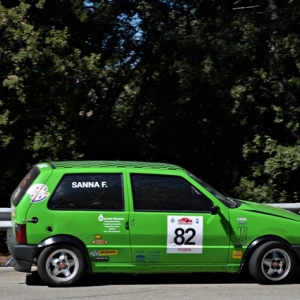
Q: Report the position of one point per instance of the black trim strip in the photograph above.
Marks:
(52, 165)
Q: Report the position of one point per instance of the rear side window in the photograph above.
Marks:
(89, 192)
(24, 185)
(167, 193)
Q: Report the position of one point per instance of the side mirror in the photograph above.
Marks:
(215, 210)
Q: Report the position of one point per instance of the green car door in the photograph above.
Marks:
(171, 222)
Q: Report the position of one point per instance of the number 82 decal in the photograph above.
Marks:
(180, 238)
(185, 234)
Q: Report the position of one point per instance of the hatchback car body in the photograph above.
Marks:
(70, 217)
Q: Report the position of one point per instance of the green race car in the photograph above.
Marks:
(72, 217)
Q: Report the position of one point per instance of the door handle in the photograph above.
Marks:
(127, 225)
(33, 220)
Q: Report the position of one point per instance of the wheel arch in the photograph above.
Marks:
(259, 241)
(69, 239)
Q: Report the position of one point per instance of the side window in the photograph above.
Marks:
(89, 192)
(166, 193)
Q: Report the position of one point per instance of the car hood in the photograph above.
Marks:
(268, 210)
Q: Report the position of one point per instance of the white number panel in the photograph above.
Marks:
(185, 234)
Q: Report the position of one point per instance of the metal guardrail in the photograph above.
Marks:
(294, 207)
(5, 222)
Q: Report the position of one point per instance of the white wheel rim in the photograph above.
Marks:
(276, 264)
(62, 265)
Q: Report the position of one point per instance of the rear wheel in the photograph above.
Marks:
(61, 265)
(272, 262)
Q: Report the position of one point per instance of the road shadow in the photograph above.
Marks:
(110, 279)
(164, 279)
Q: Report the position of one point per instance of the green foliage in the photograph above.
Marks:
(198, 83)
(277, 177)
(44, 78)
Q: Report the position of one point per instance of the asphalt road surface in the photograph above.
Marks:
(18, 286)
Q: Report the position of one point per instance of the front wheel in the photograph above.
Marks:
(272, 262)
(61, 265)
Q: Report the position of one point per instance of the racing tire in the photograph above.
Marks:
(272, 263)
(61, 265)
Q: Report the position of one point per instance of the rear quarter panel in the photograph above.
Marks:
(19, 212)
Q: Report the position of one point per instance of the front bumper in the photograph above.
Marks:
(22, 254)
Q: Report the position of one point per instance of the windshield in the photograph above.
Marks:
(229, 202)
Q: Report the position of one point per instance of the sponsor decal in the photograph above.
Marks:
(99, 242)
(111, 224)
(101, 218)
(38, 192)
(153, 256)
(108, 252)
(242, 221)
(140, 258)
(242, 233)
(237, 254)
(149, 256)
(41, 166)
(239, 244)
(24, 181)
(184, 250)
(89, 184)
(184, 235)
(17, 192)
(103, 252)
(185, 221)
(97, 236)
(100, 258)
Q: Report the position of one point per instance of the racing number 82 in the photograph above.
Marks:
(180, 239)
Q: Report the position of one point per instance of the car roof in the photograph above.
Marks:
(113, 164)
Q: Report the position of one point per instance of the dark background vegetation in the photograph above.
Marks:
(210, 85)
